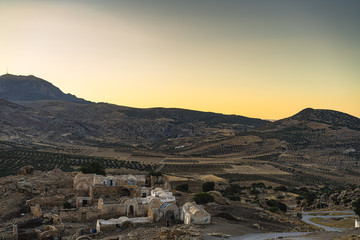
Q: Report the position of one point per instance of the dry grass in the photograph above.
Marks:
(346, 223)
(317, 125)
(211, 178)
(329, 214)
(256, 169)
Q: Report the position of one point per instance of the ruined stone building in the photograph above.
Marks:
(194, 214)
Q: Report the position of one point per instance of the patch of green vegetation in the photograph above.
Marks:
(93, 167)
(203, 197)
(356, 206)
(233, 192)
(208, 186)
(306, 194)
(67, 205)
(254, 191)
(258, 185)
(281, 188)
(276, 205)
(183, 187)
(15, 158)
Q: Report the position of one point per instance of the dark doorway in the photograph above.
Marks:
(170, 216)
(143, 195)
(110, 182)
(85, 202)
(124, 192)
(131, 211)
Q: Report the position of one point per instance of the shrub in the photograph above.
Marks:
(273, 209)
(281, 188)
(66, 205)
(183, 187)
(232, 192)
(356, 206)
(254, 191)
(310, 197)
(276, 204)
(280, 197)
(93, 167)
(203, 197)
(208, 186)
(258, 185)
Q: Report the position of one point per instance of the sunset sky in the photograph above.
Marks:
(257, 58)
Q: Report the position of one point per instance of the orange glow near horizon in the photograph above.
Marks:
(212, 57)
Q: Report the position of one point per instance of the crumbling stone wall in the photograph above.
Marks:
(83, 181)
(113, 210)
(111, 191)
(47, 201)
(80, 215)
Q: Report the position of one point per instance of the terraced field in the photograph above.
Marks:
(12, 159)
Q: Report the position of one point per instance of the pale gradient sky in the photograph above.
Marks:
(266, 59)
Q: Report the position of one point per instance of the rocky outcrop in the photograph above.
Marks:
(218, 198)
(26, 170)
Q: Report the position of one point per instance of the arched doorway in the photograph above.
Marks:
(170, 216)
(131, 212)
(124, 192)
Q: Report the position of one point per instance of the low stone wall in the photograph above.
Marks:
(80, 215)
(117, 191)
(113, 210)
(47, 201)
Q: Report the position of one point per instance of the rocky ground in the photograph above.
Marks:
(230, 218)
(16, 190)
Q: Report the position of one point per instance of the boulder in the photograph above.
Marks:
(218, 198)
(26, 170)
(36, 211)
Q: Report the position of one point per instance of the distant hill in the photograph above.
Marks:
(329, 117)
(102, 123)
(31, 88)
(308, 115)
(46, 114)
(322, 132)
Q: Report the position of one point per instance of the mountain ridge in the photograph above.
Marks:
(59, 120)
(329, 117)
(31, 88)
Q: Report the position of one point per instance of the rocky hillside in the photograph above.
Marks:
(325, 138)
(31, 88)
(110, 125)
(330, 117)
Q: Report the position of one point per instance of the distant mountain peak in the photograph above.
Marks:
(31, 88)
(329, 117)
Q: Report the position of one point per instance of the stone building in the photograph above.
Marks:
(82, 181)
(194, 214)
(89, 187)
(163, 195)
